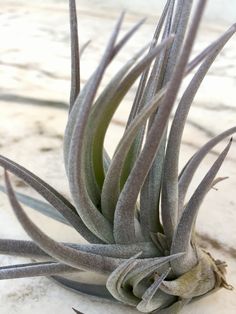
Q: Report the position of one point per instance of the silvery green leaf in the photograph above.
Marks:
(111, 187)
(59, 202)
(124, 230)
(115, 284)
(61, 253)
(75, 54)
(170, 177)
(90, 215)
(146, 305)
(21, 248)
(175, 308)
(196, 282)
(143, 80)
(85, 288)
(40, 206)
(190, 168)
(143, 269)
(76, 311)
(150, 191)
(30, 249)
(34, 270)
(88, 92)
(105, 107)
(99, 119)
(182, 237)
(79, 99)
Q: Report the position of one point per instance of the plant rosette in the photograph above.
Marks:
(130, 207)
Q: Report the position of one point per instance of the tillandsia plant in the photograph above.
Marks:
(131, 208)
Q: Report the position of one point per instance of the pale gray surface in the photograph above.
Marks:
(217, 10)
(35, 64)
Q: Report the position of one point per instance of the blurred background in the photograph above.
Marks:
(217, 11)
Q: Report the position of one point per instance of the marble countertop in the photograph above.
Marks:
(34, 92)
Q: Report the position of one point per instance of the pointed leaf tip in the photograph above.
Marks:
(77, 312)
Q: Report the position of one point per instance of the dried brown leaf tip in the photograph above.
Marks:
(131, 207)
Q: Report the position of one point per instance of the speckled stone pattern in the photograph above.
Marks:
(34, 92)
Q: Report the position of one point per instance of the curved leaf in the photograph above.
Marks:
(94, 168)
(81, 287)
(115, 282)
(61, 204)
(61, 253)
(75, 55)
(105, 108)
(124, 230)
(34, 270)
(146, 305)
(91, 216)
(40, 206)
(30, 249)
(170, 210)
(111, 187)
(190, 168)
(183, 233)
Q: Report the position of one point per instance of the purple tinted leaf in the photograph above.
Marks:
(184, 230)
(61, 204)
(124, 229)
(170, 176)
(40, 206)
(75, 55)
(187, 174)
(34, 270)
(61, 253)
(92, 218)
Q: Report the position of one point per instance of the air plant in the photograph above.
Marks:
(131, 208)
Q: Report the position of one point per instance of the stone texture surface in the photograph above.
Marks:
(34, 89)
